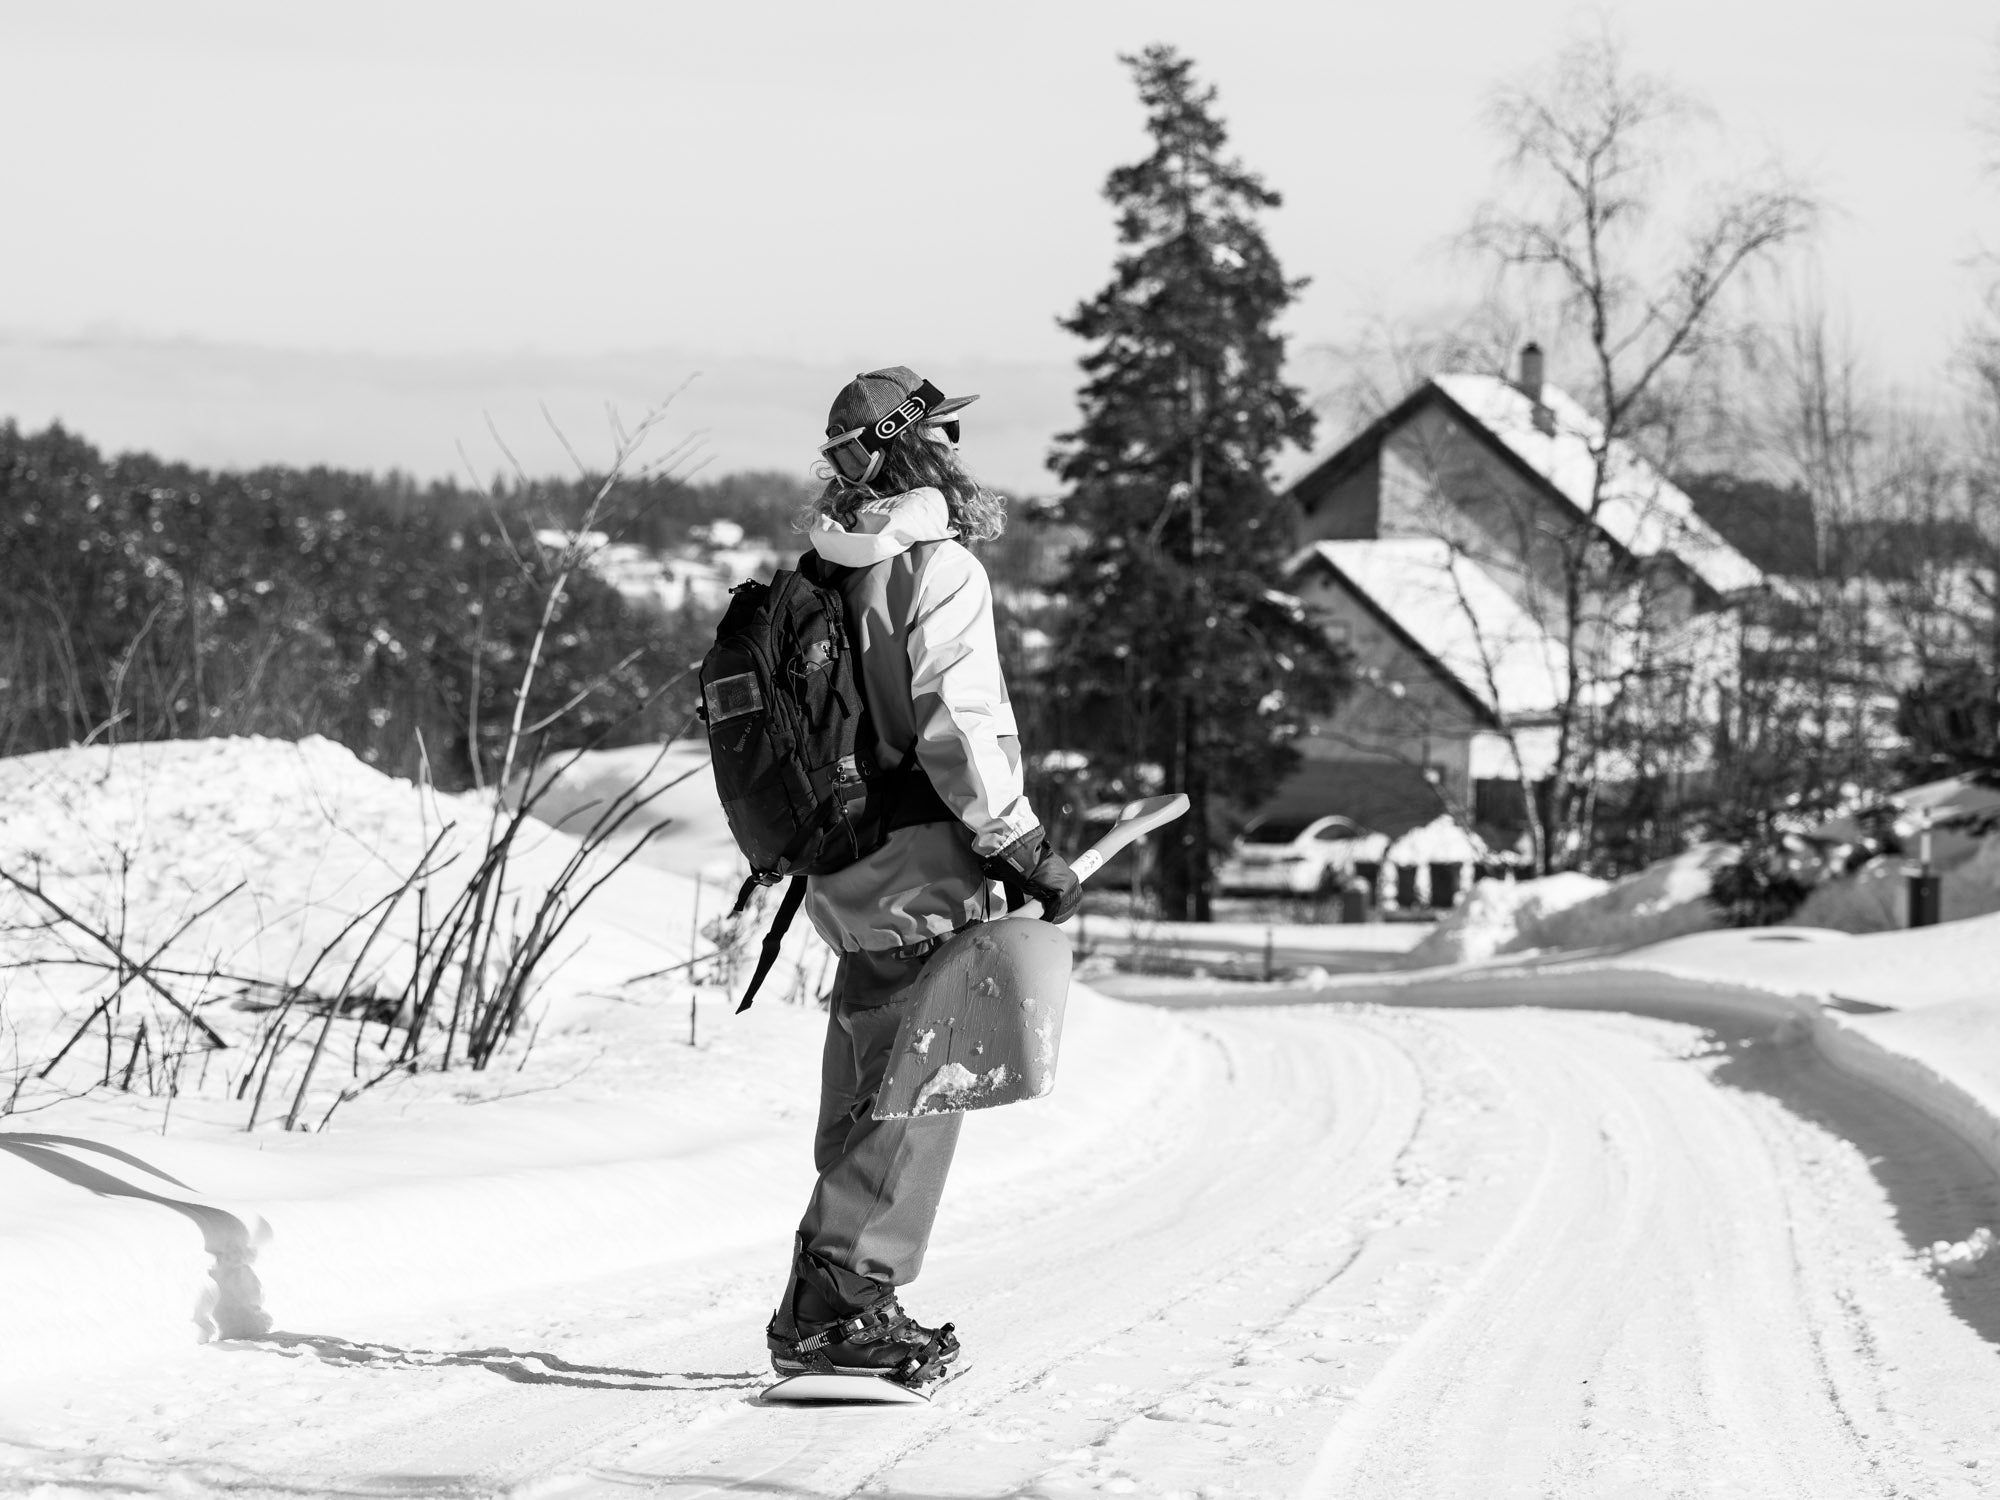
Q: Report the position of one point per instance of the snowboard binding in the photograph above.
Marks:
(882, 1341)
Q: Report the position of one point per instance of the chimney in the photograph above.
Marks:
(1531, 372)
(1530, 385)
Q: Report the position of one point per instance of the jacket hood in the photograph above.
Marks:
(884, 528)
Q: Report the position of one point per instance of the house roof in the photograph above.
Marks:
(1456, 615)
(1642, 511)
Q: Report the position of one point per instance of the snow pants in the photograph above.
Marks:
(869, 1219)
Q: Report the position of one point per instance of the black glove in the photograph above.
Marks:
(1031, 870)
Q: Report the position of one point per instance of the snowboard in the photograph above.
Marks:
(853, 1390)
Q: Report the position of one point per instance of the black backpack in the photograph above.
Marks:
(790, 743)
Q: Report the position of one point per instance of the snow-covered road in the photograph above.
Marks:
(1339, 1251)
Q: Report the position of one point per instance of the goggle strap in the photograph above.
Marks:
(852, 457)
(877, 436)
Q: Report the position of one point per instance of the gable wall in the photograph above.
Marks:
(1350, 510)
(1440, 479)
(1427, 723)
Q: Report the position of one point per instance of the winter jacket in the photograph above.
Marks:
(920, 611)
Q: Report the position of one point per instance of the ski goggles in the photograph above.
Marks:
(856, 454)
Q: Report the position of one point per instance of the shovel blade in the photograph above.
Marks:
(984, 1024)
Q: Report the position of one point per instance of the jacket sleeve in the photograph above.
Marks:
(967, 741)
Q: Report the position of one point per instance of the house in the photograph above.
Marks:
(1443, 544)
(1860, 609)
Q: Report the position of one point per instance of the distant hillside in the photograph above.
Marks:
(225, 405)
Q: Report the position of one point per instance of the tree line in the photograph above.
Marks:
(146, 599)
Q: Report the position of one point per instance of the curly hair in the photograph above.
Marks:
(912, 461)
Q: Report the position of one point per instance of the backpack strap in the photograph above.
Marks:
(912, 797)
(795, 895)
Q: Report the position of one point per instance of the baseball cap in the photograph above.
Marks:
(867, 399)
(872, 409)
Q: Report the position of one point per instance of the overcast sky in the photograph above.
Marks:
(350, 232)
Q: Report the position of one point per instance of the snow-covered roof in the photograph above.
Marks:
(1642, 510)
(1456, 612)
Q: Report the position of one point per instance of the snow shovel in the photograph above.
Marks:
(986, 1019)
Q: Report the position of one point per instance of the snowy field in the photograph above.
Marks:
(1710, 1217)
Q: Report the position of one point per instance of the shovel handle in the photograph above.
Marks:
(1136, 821)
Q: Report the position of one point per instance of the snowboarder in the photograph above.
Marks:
(899, 512)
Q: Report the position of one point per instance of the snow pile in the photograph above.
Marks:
(1664, 900)
(252, 857)
(1569, 911)
(1442, 841)
(238, 867)
(1491, 918)
(1957, 1257)
(151, 840)
(1875, 898)
(1872, 899)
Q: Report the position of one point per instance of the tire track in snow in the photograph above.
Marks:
(1072, 1294)
(1220, 1269)
(1358, 1252)
(1656, 1315)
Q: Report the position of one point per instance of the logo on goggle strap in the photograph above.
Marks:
(900, 418)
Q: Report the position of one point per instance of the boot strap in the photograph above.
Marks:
(862, 1328)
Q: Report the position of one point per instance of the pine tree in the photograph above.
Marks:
(1175, 650)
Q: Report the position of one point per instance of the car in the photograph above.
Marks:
(1292, 855)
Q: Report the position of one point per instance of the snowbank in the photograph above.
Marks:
(1492, 917)
(143, 838)
(1570, 912)
(242, 866)
(1917, 1009)
(1662, 901)
(1915, 1013)
(1875, 898)
(1911, 969)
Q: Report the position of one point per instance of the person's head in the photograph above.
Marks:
(890, 431)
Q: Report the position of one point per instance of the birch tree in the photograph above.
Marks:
(1599, 227)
